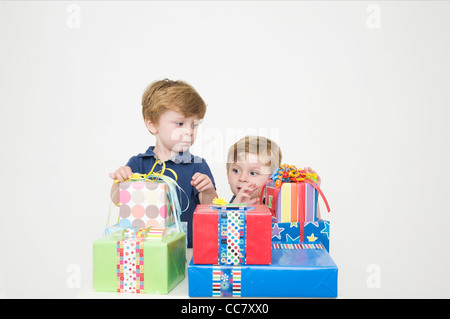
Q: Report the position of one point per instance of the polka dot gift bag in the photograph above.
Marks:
(144, 204)
(149, 200)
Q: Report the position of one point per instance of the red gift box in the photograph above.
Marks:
(211, 245)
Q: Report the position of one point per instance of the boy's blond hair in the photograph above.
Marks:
(166, 94)
(257, 145)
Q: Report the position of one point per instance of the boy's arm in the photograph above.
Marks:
(204, 184)
(207, 197)
(114, 193)
(205, 188)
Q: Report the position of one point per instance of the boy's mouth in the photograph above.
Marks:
(184, 143)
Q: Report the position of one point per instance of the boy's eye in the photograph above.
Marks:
(235, 170)
(179, 124)
(254, 173)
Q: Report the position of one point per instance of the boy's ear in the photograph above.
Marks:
(151, 126)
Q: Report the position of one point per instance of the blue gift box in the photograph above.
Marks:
(292, 273)
(314, 232)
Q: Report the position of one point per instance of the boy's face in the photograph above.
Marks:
(248, 170)
(174, 131)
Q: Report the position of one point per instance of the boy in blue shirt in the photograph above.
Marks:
(172, 111)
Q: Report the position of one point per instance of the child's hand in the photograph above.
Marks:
(243, 197)
(202, 182)
(121, 174)
(310, 170)
(205, 187)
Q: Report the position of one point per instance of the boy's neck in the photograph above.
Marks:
(164, 154)
(161, 154)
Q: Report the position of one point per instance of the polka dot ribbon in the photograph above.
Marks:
(232, 236)
(151, 175)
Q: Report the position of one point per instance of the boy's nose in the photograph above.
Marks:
(243, 178)
(190, 131)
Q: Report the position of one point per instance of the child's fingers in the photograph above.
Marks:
(128, 171)
(319, 180)
(242, 198)
(248, 189)
(251, 186)
(198, 183)
(196, 179)
(120, 178)
(311, 171)
(121, 174)
(203, 185)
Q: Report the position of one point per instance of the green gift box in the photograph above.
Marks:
(139, 260)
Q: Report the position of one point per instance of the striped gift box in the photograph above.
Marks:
(297, 246)
(226, 281)
(295, 202)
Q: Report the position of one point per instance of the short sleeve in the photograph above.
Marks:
(133, 163)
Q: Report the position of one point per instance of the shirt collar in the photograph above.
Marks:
(181, 157)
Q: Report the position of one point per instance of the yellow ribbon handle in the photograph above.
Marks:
(143, 177)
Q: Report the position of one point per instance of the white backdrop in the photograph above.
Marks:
(356, 90)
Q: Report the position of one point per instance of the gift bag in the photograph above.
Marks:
(149, 200)
(144, 204)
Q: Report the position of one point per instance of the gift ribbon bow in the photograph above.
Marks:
(219, 201)
(151, 175)
(290, 174)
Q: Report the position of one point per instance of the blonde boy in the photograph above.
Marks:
(172, 111)
(250, 162)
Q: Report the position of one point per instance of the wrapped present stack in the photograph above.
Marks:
(228, 238)
(145, 252)
(298, 244)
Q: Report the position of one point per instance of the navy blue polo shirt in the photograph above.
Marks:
(185, 165)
